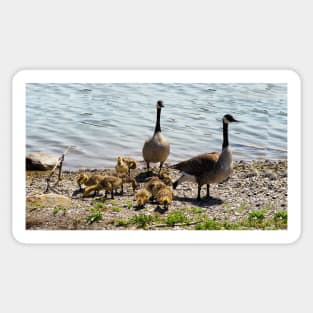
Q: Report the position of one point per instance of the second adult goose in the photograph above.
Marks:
(208, 168)
(157, 148)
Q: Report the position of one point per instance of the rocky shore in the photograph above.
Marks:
(254, 197)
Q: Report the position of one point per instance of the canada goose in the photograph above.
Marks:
(164, 196)
(121, 166)
(107, 183)
(131, 163)
(142, 197)
(208, 168)
(157, 148)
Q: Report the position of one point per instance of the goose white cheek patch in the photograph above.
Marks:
(67, 123)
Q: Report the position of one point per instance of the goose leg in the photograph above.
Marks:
(208, 190)
(199, 191)
(112, 193)
(148, 166)
(161, 164)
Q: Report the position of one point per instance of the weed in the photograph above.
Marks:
(256, 216)
(94, 217)
(175, 217)
(116, 209)
(209, 224)
(197, 210)
(129, 204)
(57, 209)
(281, 216)
(141, 220)
(121, 222)
(99, 206)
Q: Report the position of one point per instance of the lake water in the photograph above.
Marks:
(107, 120)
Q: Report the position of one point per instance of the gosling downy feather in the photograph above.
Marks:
(208, 168)
(157, 148)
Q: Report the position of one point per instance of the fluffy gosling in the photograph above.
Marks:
(108, 183)
(142, 197)
(164, 196)
(165, 177)
(154, 184)
(121, 167)
(131, 163)
(88, 180)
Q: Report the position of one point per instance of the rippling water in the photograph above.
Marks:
(106, 120)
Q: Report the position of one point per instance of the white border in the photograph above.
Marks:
(156, 76)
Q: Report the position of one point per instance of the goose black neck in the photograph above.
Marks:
(225, 135)
(157, 125)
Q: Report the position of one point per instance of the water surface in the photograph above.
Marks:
(107, 120)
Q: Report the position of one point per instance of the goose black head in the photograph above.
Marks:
(229, 119)
(160, 104)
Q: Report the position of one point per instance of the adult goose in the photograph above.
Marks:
(208, 168)
(157, 148)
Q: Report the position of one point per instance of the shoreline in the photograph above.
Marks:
(254, 197)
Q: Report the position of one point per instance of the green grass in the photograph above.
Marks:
(98, 206)
(96, 213)
(281, 216)
(116, 209)
(94, 217)
(256, 216)
(57, 209)
(197, 210)
(129, 204)
(141, 220)
(256, 220)
(121, 222)
(175, 217)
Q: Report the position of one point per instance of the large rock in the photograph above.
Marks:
(40, 161)
(49, 200)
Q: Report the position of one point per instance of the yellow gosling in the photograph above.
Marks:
(131, 163)
(154, 185)
(121, 167)
(164, 196)
(108, 183)
(142, 197)
(88, 179)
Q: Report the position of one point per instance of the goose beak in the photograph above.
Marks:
(235, 121)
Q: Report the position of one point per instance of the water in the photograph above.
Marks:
(107, 120)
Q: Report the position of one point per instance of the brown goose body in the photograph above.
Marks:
(208, 168)
(157, 148)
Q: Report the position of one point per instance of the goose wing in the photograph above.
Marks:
(198, 164)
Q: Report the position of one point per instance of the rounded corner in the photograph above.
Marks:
(295, 237)
(19, 76)
(16, 237)
(295, 75)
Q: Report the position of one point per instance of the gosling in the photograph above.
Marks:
(131, 163)
(153, 185)
(142, 197)
(121, 167)
(128, 179)
(88, 180)
(108, 183)
(165, 177)
(164, 196)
